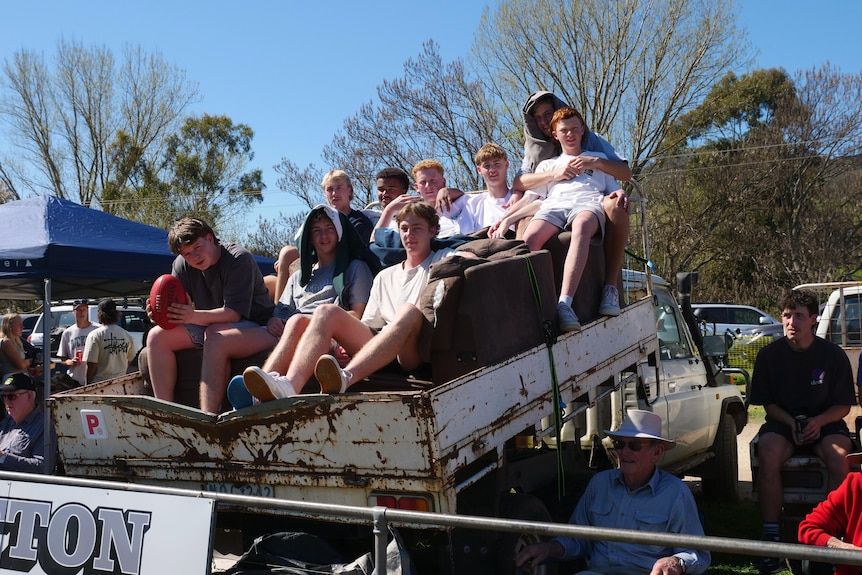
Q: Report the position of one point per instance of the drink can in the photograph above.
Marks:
(801, 422)
(79, 355)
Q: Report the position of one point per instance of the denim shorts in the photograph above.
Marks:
(196, 332)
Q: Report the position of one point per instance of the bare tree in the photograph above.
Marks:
(631, 66)
(436, 110)
(65, 119)
(271, 235)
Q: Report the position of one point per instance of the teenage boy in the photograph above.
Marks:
(109, 348)
(484, 209)
(392, 186)
(540, 145)
(391, 183)
(229, 303)
(389, 328)
(574, 202)
(799, 375)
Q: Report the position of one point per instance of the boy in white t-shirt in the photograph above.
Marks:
(571, 198)
(484, 209)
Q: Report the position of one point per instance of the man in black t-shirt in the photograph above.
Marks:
(800, 375)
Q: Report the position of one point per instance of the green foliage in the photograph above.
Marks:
(759, 187)
(201, 173)
(735, 105)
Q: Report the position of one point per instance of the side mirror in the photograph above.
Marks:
(765, 320)
(714, 346)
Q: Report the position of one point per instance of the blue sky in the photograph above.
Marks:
(294, 71)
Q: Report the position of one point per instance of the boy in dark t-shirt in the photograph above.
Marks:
(800, 375)
(229, 304)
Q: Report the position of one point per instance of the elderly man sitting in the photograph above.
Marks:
(638, 496)
(22, 444)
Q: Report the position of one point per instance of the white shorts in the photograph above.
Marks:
(562, 213)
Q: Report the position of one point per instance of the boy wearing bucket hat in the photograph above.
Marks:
(22, 445)
(636, 496)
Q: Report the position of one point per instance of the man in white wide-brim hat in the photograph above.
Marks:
(636, 496)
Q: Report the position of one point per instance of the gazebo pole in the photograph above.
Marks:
(46, 372)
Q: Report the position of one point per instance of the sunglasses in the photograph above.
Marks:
(633, 444)
(12, 396)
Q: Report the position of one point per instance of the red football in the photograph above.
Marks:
(166, 290)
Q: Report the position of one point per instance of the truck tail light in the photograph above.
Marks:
(403, 502)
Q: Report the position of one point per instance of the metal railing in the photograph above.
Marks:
(381, 517)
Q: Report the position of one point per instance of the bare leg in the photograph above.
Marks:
(616, 237)
(280, 358)
(328, 322)
(400, 340)
(773, 450)
(833, 450)
(584, 227)
(271, 281)
(225, 342)
(538, 232)
(162, 344)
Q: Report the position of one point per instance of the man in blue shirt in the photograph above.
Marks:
(636, 496)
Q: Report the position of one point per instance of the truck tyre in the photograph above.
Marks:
(527, 508)
(721, 473)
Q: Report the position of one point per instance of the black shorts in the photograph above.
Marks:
(834, 428)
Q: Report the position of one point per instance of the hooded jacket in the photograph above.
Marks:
(538, 147)
(350, 247)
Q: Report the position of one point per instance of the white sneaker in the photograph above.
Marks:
(610, 301)
(329, 374)
(568, 318)
(267, 386)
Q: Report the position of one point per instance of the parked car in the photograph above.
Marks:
(132, 318)
(29, 321)
(718, 318)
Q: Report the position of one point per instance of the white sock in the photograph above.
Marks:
(566, 299)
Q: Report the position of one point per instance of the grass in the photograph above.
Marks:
(739, 520)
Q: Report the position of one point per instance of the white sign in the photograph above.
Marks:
(94, 424)
(57, 529)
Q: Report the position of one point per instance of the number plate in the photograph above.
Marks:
(236, 489)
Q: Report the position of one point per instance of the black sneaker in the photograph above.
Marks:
(770, 565)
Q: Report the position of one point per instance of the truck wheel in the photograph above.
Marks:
(721, 473)
(527, 508)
